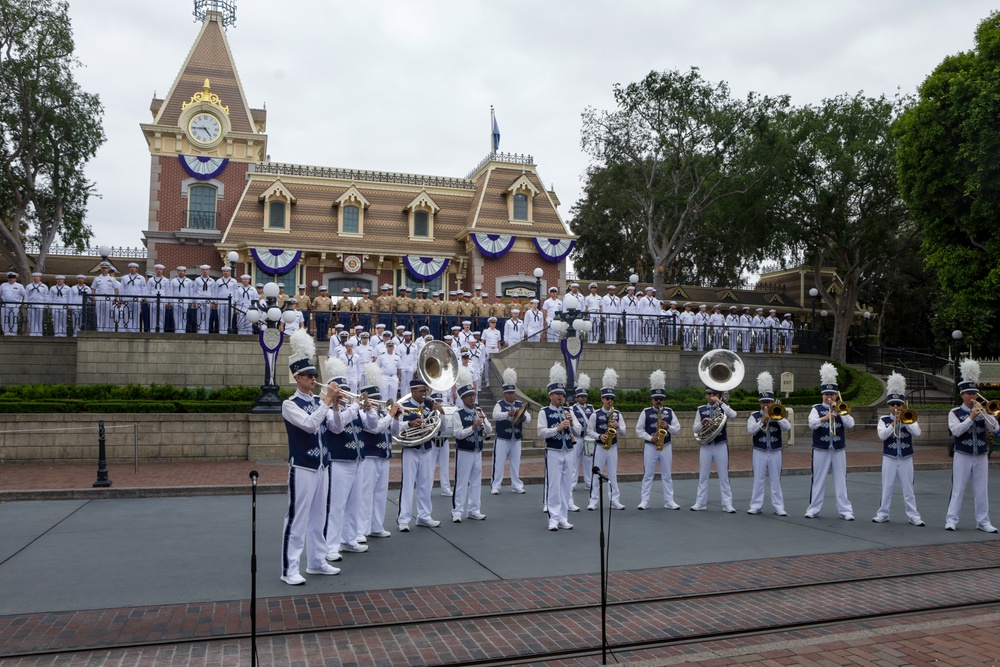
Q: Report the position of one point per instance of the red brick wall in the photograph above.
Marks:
(525, 262)
(172, 206)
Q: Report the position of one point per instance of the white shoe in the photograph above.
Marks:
(478, 516)
(643, 505)
(574, 508)
(354, 548)
(494, 492)
(553, 526)
(565, 525)
(880, 519)
(432, 523)
(810, 516)
(987, 528)
(698, 508)
(404, 527)
(545, 508)
(382, 533)
(847, 517)
(448, 494)
(334, 556)
(362, 539)
(617, 506)
(671, 505)
(456, 519)
(324, 569)
(729, 509)
(918, 523)
(295, 579)
(591, 507)
(753, 511)
(517, 490)
(950, 526)
(781, 512)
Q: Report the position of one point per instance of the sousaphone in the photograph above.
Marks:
(720, 370)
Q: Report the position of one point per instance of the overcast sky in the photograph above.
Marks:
(407, 85)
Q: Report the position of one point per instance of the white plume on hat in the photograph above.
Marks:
(464, 377)
(657, 379)
(895, 383)
(765, 383)
(335, 368)
(583, 382)
(557, 374)
(827, 373)
(509, 376)
(373, 374)
(970, 371)
(303, 345)
(610, 378)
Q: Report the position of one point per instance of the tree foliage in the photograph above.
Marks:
(949, 175)
(675, 149)
(50, 130)
(840, 199)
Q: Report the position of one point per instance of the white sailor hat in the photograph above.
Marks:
(673, 303)
(60, 277)
(338, 326)
(515, 310)
(772, 311)
(476, 335)
(717, 306)
(572, 285)
(78, 276)
(179, 268)
(245, 275)
(131, 264)
(733, 308)
(407, 333)
(466, 322)
(204, 267)
(553, 289)
(760, 310)
(788, 314)
(594, 285)
(630, 287)
(614, 287)
(358, 328)
(227, 268)
(380, 326)
(36, 274)
(688, 304)
(703, 306)
(533, 301)
(650, 289)
(160, 266)
(449, 337)
(456, 328)
(400, 326)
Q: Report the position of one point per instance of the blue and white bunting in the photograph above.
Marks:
(494, 246)
(554, 250)
(425, 269)
(275, 262)
(203, 168)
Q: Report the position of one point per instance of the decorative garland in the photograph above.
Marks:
(203, 168)
(494, 246)
(554, 250)
(425, 269)
(275, 262)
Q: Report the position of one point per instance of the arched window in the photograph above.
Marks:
(520, 206)
(201, 207)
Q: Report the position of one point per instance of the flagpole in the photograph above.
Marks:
(492, 123)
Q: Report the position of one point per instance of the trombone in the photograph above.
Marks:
(992, 408)
(841, 409)
(904, 417)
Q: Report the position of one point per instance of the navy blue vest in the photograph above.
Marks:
(601, 423)
(707, 412)
(504, 428)
(553, 417)
(769, 436)
(648, 421)
(975, 440)
(900, 447)
(425, 412)
(378, 445)
(822, 437)
(349, 444)
(305, 449)
(474, 443)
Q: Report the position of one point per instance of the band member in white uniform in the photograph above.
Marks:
(582, 410)
(556, 428)
(606, 452)
(508, 438)
(897, 452)
(379, 428)
(969, 424)
(418, 462)
(442, 443)
(765, 434)
(829, 447)
(655, 426)
(716, 450)
(471, 428)
(305, 418)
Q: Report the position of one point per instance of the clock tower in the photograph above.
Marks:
(202, 140)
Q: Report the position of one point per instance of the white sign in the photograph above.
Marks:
(787, 383)
(519, 292)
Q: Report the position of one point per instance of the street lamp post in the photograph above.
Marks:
(270, 337)
(957, 337)
(866, 316)
(538, 273)
(813, 293)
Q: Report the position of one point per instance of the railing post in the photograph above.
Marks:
(102, 458)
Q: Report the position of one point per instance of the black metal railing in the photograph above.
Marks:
(200, 219)
(281, 169)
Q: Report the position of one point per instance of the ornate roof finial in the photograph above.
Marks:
(223, 11)
(206, 95)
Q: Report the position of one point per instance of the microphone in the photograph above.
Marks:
(597, 471)
(253, 477)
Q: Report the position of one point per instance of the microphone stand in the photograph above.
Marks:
(253, 570)
(604, 575)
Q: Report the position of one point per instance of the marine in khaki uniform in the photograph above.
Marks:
(385, 304)
(477, 298)
(282, 297)
(466, 309)
(498, 308)
(404, 307)
(365, 307)
(345, 306)
(322, 305)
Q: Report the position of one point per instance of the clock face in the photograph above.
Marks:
(204, 129)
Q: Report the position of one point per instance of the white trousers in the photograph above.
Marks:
(720, 454)
(390, 387)
(305, 519)
(560, 465)
(823, 460)
(963, 467)
(59, 320)
(468, 483)
(406, 374)
(900, 468)
(380, 494)
(611, 330)
(587, 462)
(417, 476)
(606, 460)
(102, 306)
(502, 449)
(442, 461)
(366, 493)
(343, 477)
(650, 459)
(35, 316)
(767, 463)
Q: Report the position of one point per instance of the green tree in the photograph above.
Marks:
(50, 130)
(949, 175)
(689, 146)
(840, 201)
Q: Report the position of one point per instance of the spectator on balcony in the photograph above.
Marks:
(225, 288)
(105, 289)
(79, 295)
(133, 291)
(38, 295)
(58, 297)
(322, 305)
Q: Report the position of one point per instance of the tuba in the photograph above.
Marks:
(720, 370)
(437, 366)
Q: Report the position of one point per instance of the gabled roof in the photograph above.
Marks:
(209, 58)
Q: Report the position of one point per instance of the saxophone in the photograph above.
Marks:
(611, 433)
(661, 433)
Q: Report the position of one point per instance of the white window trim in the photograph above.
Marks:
(277, 192)
(352, 197)
(422, 202)
(522, 186)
